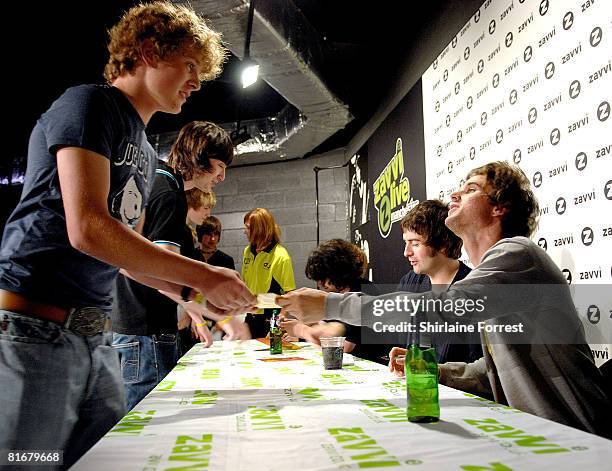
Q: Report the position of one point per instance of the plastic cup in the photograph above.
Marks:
(333, 349)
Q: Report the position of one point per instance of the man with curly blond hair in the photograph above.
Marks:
(89, 175)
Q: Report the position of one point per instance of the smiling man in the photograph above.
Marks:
(89, 175)
(550, 370)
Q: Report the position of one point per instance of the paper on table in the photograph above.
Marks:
(267, 301)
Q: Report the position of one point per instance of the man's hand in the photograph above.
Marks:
(307, 304)
(396, 361)
(235, 329)
(293, 328)
(225, 292)
(202, 333)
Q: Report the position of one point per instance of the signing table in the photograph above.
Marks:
(228, 407)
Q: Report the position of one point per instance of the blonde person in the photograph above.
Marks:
(266, 265)
(199, 206)
(88, 180)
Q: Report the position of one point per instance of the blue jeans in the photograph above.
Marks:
(145, 361)
(58, 390)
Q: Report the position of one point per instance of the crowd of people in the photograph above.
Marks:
(105, 230)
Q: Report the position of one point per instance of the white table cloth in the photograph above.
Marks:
(224, 408)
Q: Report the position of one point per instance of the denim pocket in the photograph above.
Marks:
(19, 328)
(129, 357)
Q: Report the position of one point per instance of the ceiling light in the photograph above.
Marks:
(250, 72)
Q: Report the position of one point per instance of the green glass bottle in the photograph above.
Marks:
(276, 333)
(421, 367)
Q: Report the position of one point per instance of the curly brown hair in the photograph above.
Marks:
(427, 219)
(342, 263)
(196, 144)
(509, 187)
(171, 28)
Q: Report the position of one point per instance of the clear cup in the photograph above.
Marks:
(333, 349)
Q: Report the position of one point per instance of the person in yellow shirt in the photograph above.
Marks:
(266, 265)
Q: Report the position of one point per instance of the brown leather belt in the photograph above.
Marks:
(15, 302)
(84, 321)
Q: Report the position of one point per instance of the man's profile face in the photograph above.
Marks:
(329, 287)
(420, 255)
(471, 206)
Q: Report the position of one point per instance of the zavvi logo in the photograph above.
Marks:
(543, 7)
(454, 42)
(549, 70)
(499, 136)
(447, 120)
(595, 37)
(450, 167)
(445, 74)
(568, 275)
(439, 151)
(608, 190)
(470, 102)
(441, 195)
(466, 53)
(437, 107)
(513, 97)
(555, 136)
(603, 111)
(495, 80)
(492, 27)
(527, 53)
(542, 243)
(457, 87)
(574, 89)
(516, 156)
(483, 118)
(480, 66)
(532, 115)
(593, 314)
(459, 135)
(477, 16)
(509, 38)
(560, 205)
(435, 64)
(568, 20)
(581, 161)
(587, 236)
(472, 153)
(537, 179)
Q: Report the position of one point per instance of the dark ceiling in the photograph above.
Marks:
(60, 44)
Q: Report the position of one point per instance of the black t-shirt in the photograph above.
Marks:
(221, 259)
(138, 309)
(36, 258)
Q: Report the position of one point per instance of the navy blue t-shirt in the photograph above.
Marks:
(36, 258)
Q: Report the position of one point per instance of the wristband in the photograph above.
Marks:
(200, 324)
(199, 298)
(225, 320)
(185, 292)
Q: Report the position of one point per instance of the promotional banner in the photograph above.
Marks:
(530, 82)
(395, 183)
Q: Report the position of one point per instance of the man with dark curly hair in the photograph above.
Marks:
(549, 369)
(337, 266)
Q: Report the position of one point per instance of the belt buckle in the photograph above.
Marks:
(86, 321)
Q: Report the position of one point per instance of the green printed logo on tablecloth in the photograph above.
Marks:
(384, 411)
(190, 453)
(165, 385)
(205, 398)
(132, 424)
(310, 394)
(251, 382)
(244, 364)
(210, 373)
(265, 418)
(493, 405)
(284, 370)
(507, 433)
(357, 368)
(397, 388)
(489, 467)
(335, 378)
(354, 447)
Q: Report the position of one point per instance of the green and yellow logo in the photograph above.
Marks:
(386, 410)
(359, 448)
(205, 398)
(391, 192)
(133, 423)
(191, 452)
